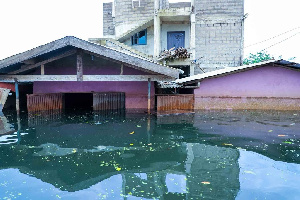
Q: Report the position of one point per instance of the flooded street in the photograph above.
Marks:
(131, 155)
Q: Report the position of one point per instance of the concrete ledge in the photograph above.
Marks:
(246, 103)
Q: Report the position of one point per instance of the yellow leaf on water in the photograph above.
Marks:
(131, 144)
(270, 131)
(118, 168)
(131, 133)
(205, 182)
(282, 135)
(228, 144)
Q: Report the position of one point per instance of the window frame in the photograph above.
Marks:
(137, 38)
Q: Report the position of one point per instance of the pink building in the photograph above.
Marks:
(71, 71)
(268, 85)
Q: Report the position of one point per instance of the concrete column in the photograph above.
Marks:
(156, 30)
(193, 40)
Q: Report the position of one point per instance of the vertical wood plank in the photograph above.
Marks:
(42, 69)
(79, 65)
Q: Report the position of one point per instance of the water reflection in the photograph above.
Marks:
(214, 155)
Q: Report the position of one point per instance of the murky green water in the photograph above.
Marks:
(202, 155)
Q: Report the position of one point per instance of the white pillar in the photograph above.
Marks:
(156, 30)
(193, 39)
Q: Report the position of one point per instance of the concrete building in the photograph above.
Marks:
(211, 31)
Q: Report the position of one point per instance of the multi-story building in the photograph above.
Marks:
(212, 31)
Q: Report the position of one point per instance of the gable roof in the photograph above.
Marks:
(232, 70)
(64, 44)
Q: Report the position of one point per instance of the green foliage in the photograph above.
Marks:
(256, 58)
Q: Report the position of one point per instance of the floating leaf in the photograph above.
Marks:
(131, 144)
(287, 142)
(270, 131)
(249, 172)
(118, 168)
(205, 182)
(282, 135)
(139, 126)
(131, 133)
(226, 144)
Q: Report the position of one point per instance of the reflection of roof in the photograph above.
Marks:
(57, 47)
(232, 70)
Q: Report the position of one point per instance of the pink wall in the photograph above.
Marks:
(266, 81)
(10, 86)
(136, 92)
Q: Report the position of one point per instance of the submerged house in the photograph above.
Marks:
(72, 73)
(270, 85)
(126, 69)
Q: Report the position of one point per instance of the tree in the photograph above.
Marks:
(256, 58)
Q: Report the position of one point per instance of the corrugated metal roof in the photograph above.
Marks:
(53, 48)
(232, 70)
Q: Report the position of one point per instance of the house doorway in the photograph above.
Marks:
(175, 39)
(78, 101)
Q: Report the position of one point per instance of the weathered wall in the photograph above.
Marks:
(91, 66)
(127, 16)
(10, 86)
(108, 23)
(219, 33)
(262, 88)
(136, 92)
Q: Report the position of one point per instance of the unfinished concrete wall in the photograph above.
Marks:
(129, 15)
(108, 23)
(219, 33)
(179, 4)
(266, 87)
(165, 4)
(146, 49)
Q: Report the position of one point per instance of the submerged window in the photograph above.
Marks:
(139, 38)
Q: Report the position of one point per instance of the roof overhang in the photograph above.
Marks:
(232, 70)
(68, 42)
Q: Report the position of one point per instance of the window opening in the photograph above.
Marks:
(139, 38)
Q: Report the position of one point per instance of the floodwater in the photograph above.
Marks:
(201, 155)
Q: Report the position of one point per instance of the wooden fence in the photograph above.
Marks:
(175, 102)
(43, 102)
(109, 101)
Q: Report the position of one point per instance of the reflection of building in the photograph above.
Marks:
(212, 172)
(168, 168)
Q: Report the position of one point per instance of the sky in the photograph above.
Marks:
(28, 24)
